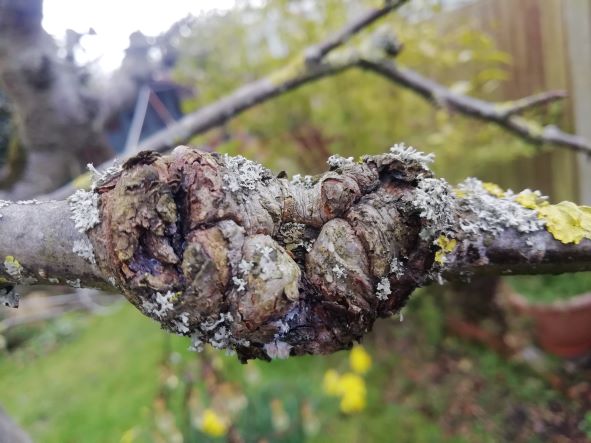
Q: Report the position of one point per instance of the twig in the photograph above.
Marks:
(504, 114)
(315, 53)
(286, 79)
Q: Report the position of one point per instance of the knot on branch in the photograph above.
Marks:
(217, 248)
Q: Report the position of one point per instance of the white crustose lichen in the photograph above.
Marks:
(408, 154)
(84, 208)
(84, 249)
(383, 289)
(337, 161)
(244, 175)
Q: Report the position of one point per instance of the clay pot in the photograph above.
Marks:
(562, 328)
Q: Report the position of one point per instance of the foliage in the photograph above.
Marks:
(352, 113)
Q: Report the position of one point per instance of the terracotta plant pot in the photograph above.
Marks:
(562, 328)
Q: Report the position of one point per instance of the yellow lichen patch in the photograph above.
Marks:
(359, 360)
(459, 193)
(212, 424)
(446, 245)
(530, 199)
(493, 189)
(83, 181)
(567, 222)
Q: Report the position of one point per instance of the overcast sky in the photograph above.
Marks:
(114, 20)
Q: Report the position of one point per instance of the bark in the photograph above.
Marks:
(218, 248)
(55, 108)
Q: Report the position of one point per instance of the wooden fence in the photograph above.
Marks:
(536, 34)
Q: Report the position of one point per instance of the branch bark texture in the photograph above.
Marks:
(218, 248)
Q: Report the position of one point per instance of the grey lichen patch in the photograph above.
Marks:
(84, 249)
(243, 175)
(84, 209)
(306, 181)
(339, 271)
(396, 267)
(408, 154)
(434, 200)
(337, 161)
(160, 304)
(101, 177)
(74, 283)
(218, 333)
(485, 213)
(383, 289)
(277, 349)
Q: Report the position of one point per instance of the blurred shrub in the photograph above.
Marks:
(352, 113)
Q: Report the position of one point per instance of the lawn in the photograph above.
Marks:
(118, 378)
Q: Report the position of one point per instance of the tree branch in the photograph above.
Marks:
(218, 248)
(502, 114)
(316, 53)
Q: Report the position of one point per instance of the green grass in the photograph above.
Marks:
(103, 377)
(549, 288)
(91, 389)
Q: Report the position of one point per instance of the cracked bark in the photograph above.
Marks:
(220, 249)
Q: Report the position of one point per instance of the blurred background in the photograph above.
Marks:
(494, 360)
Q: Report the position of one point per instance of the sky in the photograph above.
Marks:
(115, 20)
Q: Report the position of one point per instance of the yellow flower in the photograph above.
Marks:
(332, 383)
(493, 189)
(359, 360)
(212, 424)
(353, 393)
(353, 402)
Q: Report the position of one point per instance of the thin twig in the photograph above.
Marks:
(501, 114)
(317, 52)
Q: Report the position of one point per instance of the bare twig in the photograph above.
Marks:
(533, 101)
(315, 65)
(503, 114)
(286, 79)
(315, 53)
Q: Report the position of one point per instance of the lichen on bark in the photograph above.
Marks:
(217, 248)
